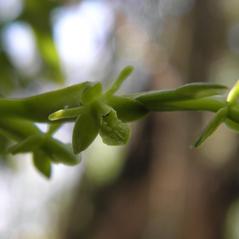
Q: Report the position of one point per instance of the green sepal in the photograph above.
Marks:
(42, 163)
(113, 131)
(86, 129)
(123, 75)
(219, 118)
(27, 145)
(186, 92)
(38, 108)
(91, 93)
(200, 90)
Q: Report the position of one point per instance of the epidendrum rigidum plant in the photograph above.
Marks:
(95, 111)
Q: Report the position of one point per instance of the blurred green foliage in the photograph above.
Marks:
(37, 15)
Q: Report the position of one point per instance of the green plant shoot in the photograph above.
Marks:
(95, 111)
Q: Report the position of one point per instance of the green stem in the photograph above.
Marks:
(129, 108)
(38, 108)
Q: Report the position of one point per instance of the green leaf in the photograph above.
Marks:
(220, 117)
(49, 56)
(86, 129)
(27, 145)
(113, 131)
(42, 163)
(121, 78)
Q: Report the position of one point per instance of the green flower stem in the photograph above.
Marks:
(39, 107)
(102, 112)
(129, 108)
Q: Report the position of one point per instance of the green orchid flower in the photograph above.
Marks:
(95, 111)
(96, 116)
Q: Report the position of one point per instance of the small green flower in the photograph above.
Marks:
(96, 116)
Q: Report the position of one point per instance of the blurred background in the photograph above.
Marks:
(157, 186)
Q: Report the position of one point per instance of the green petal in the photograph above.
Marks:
(42, 163)
(86, 129)
(121, 78)
(220, 117)
(113, 131)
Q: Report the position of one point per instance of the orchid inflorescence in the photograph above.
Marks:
(95, 111)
